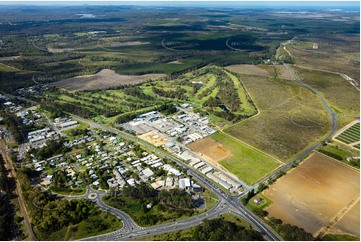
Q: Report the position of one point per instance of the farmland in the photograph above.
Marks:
(247, 163)
(102, 80)
(350, 135)
(317, 193)
(291, 118)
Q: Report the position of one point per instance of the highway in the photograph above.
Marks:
(231, 203)
(226, 203)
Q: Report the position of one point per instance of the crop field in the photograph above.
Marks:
(248, 164)
(340, 94)
(102, 80)
(291, 118)
(350, 135)
(317, 194)
(210, 149)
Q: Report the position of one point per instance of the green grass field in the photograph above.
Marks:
(339, 237)
(248, 164)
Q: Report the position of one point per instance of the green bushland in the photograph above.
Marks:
(339, 237)
(165, 205)
(341, 153)
(55, 219)
(339, 93)
(248, 164)
(289, 232)
(291, 117)
(226, 227)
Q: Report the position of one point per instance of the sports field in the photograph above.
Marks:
(317, 195)
(248, 164)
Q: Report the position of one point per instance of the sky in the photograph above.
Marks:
(345, 5)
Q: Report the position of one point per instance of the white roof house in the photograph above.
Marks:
(148, 172)
(184, 183)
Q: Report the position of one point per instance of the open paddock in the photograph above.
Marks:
(319, 193)
(104, 79)
(246, 163)
(210, 149)
(248, 69)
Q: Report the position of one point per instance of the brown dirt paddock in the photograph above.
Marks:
(210, 149)
(316, 194)
(104, 79)
(154, 137)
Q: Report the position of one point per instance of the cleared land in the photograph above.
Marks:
(248, 69)
(154, 138)
(336, 52)
(339, 93)
(210, 149)
(314, 194)
(248, 164)
(104, 79)
(345, 226)
(291, 118)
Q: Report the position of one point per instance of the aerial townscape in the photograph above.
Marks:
(180, 120)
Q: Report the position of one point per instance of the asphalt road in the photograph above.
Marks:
(226, 202)
(231, 203)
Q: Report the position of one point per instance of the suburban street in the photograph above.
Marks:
(230, 203)
(226, 203)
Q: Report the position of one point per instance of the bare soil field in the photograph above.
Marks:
(349, 223)
(210, 149)
(317, 194)
(59, 50)
(104, 79)
(291, 118)
(248, 70)
(9, 58)
(128, 43)
(154, 137)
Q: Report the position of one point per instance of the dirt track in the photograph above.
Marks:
(317, 194)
